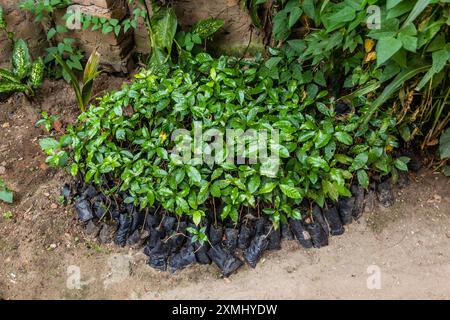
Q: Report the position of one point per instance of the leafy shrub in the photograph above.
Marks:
(403, 59)
(124, 143)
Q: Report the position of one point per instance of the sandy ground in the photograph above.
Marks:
(401, 252)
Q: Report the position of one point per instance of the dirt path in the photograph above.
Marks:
(43, 251)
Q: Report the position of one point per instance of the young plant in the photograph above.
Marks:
(26, 76)
(47, 121)
(83, 89)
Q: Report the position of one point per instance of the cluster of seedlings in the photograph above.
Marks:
(170, 244)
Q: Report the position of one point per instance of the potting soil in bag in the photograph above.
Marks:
(134, 238)
(245, 236)
(345, 207)
(260, 225)
(358, 209)
(385, 193)
(231, 238)
(154, 238)
(182, 259)
(152, 221)
(254, 252)
(300, 233)
(318, 237)
(225, 260)
(318, 217)
(168, 223)
(177, 238)
(84, 211)
(158, 256)
(99, 206)
(201, 253)
(273, 237)
(123, 230)
(286, 233)
(334, 221)
(88, 191)
(215, 235)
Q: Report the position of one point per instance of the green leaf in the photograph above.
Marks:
(253, 184)
(360, 161)
(197, 217)
(399, 164)
(290, 191)
(363, 178)
(294, 15)
(164, 26)
(416, 11)
(386, 48)
(344, 137)
(322, 139)
(267, 187)
(49, 144)
(193, 174)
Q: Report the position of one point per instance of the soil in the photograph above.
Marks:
(45, 254)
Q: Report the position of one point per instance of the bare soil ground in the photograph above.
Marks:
(43, 251)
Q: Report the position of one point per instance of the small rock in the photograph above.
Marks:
(2, 170)
(54, 206)
(5, 125)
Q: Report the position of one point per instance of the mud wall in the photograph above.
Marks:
(116, 51)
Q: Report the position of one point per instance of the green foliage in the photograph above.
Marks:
(5, 194)
(7, 215)
(83, 91)
(43, 11)
(25, 76)
(332, 45)
(127, 138)
(46, 121)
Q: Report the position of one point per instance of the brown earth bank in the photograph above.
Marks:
(44, 252)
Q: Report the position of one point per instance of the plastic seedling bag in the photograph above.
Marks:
(318, 236)
(246, 234)
(300, 233)
(182, 259)
(334, 221)
(215, 235)
(346, 206)
(254, 252)
(231, 239)
(286, 233)
(84, 211)
(273, 237)
(226, 261)
(201, 253)
(123, 230)
(158, 256)
(318, 217)
(358, 209)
